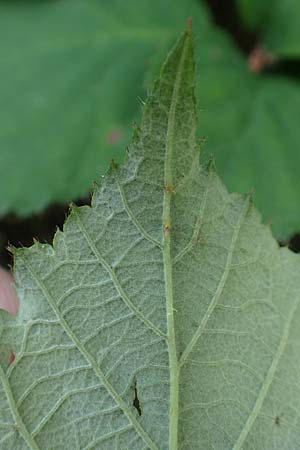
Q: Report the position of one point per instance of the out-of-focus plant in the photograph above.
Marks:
(71, 76)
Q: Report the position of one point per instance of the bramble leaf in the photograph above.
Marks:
(277, 23)
(164, 317)
(72, 74)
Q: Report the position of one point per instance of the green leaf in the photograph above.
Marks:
(251, 124)
(255, 13)
(67, 111)
(164, 317)
(277, 22)
(72, 72)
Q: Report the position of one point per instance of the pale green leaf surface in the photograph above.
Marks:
(251, 124)
(277, 22)
(167, 286)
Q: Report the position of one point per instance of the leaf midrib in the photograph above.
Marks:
(167, 258)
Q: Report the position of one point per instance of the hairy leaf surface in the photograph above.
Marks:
(164, 317)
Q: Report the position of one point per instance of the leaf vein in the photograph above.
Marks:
(197, 227)
(131, 215)
(115, 280)
(58, 404)
(90, 359)
(18, 419)
(219, 289)
(267, 382)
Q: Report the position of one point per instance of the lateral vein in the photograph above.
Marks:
(267, 382)
(115, 280)
(197, 227)
(130, 213)
(19, 424)
(90, 359)
(219, 289)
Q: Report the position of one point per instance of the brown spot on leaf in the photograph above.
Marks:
(114, 136)
(167, 228)
(169, 188)
(12, 357)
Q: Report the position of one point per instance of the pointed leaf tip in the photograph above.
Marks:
(168, 260)
(190, 24)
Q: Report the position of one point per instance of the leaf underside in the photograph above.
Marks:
(164, 317)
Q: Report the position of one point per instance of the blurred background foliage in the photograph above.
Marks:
(277, 22)
(73, 77)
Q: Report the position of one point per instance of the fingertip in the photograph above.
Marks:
(8, 296)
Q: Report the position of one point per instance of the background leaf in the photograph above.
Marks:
(72, 79)
(167, 290)
(73, 76)
(251, 126)
(277, 22)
